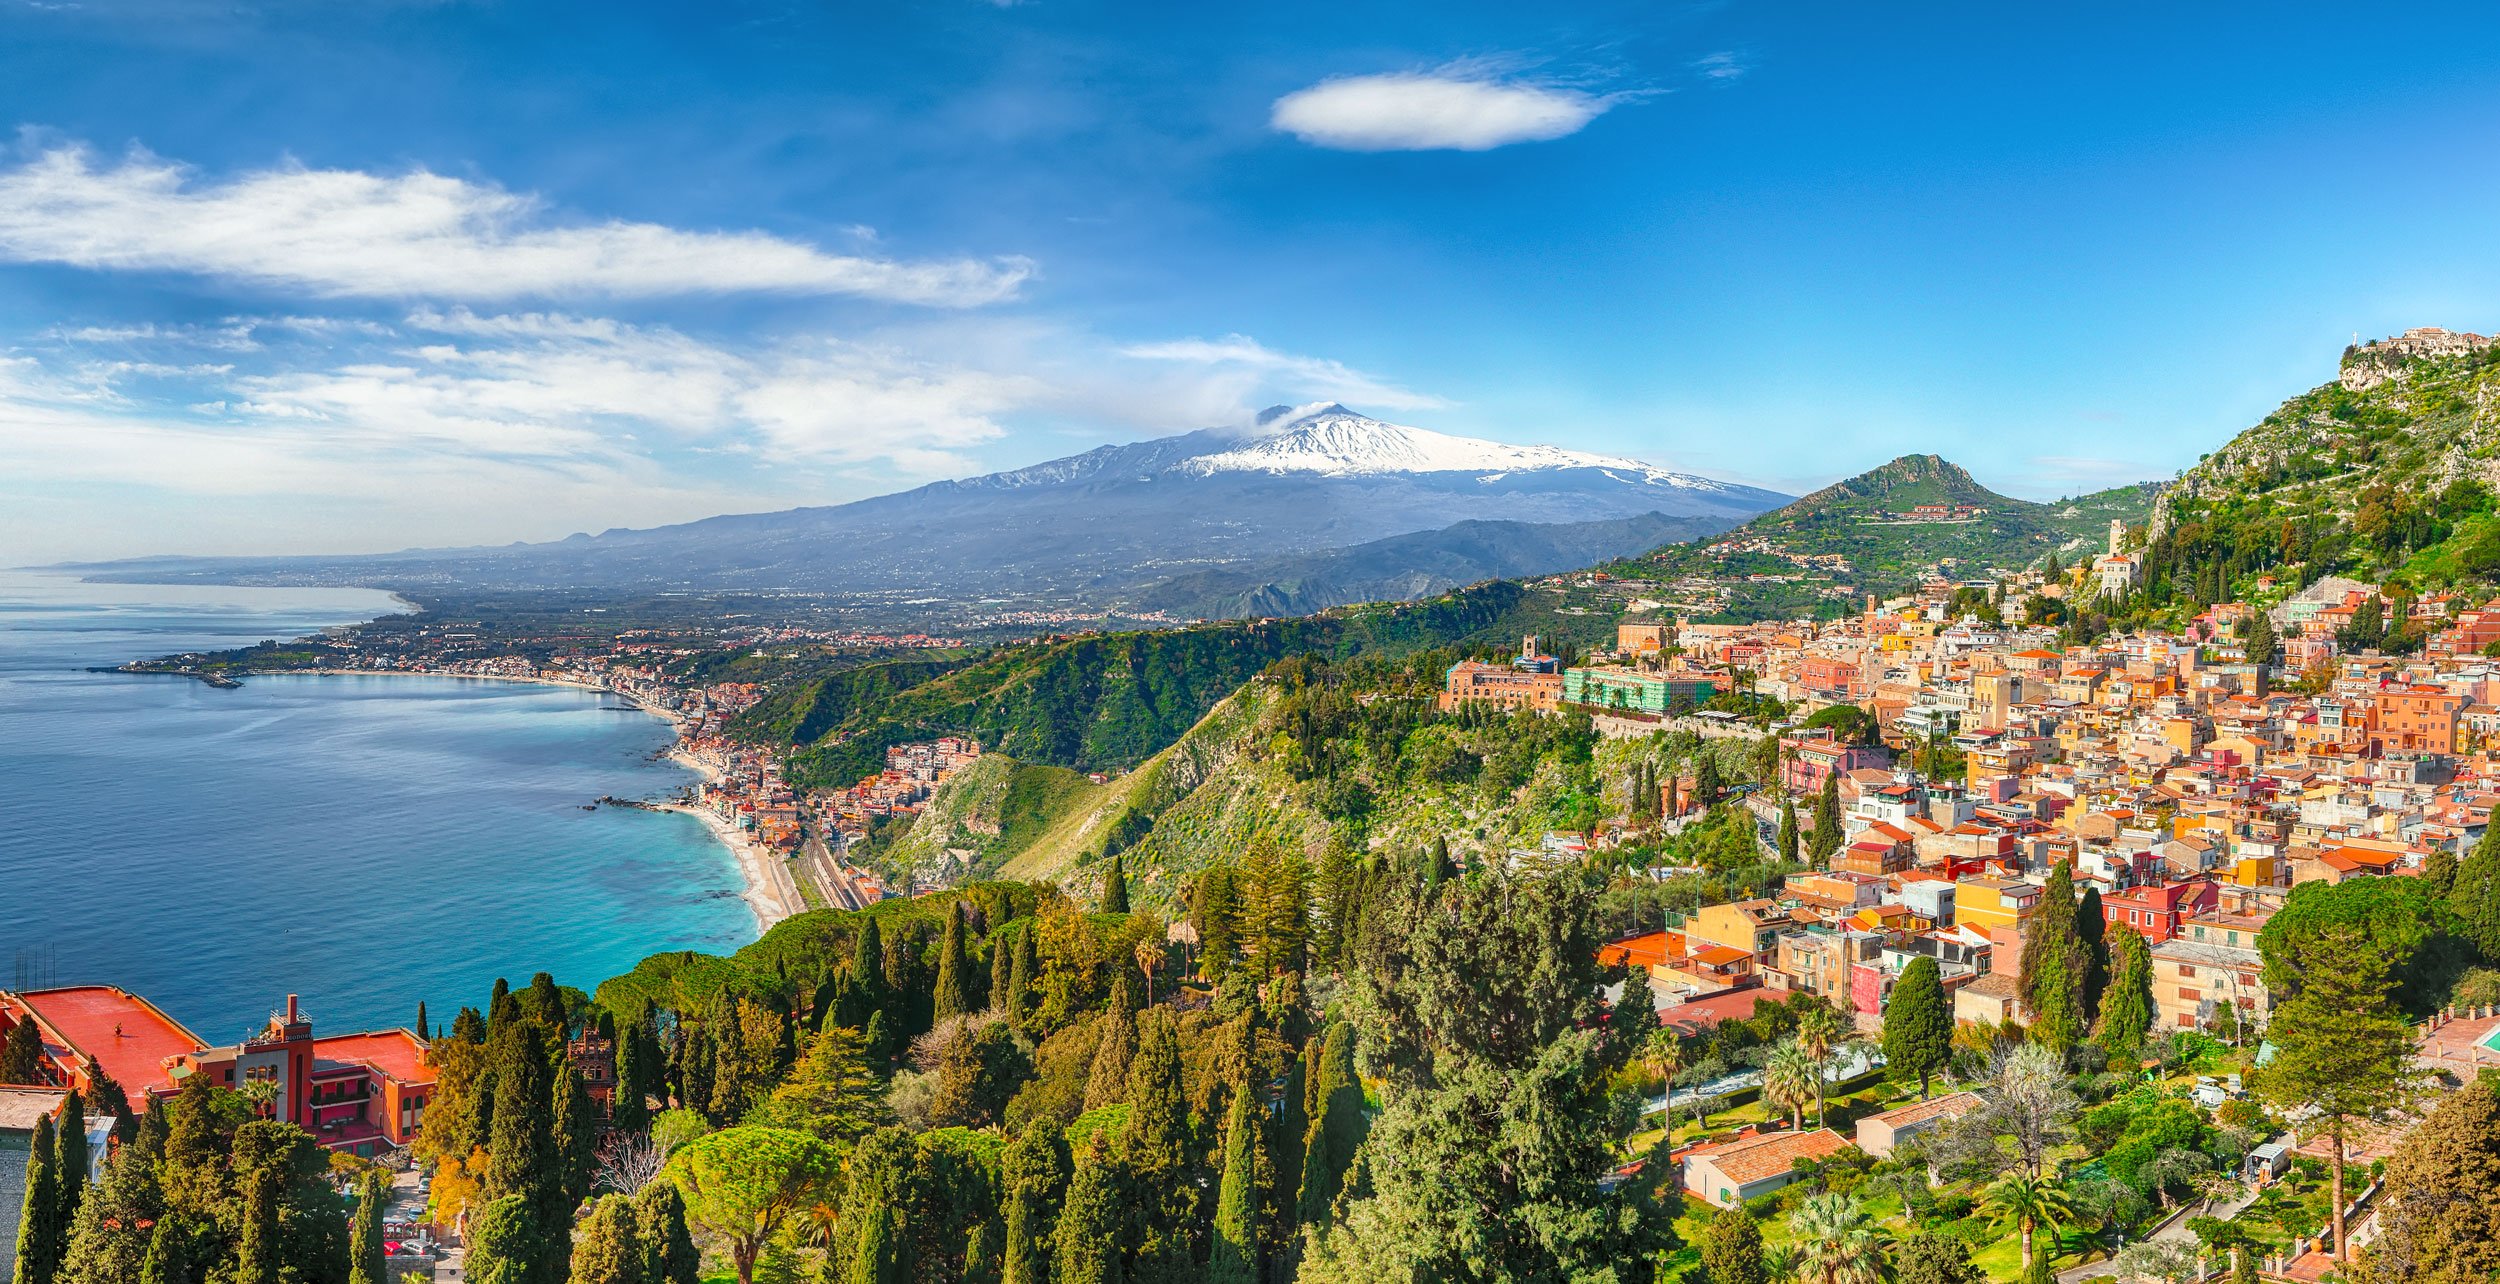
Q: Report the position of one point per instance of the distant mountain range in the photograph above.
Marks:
(1289, 511)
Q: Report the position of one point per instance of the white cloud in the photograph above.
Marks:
(348, 233)
(1461, 108)
(1286, 374)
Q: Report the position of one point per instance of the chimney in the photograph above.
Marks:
(292, 1016)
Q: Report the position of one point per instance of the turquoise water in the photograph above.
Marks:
(364, 842)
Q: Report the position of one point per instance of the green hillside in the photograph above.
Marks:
(1108, 701)
(1862, 535)
(2392, 477)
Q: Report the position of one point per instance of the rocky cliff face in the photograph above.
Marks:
(2367, 365)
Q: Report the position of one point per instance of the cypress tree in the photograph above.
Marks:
(1035, 1172)
(1114, 888)
(366, 1264)
(1020, 980)
(1826, 837)
(1088, 1247)
(1788, 830)
(867, 972)
(2127, 1008)
(878, 1238)
(1731, 1249)
(2091, 930)
(504, 1245)
(1918, 1026)
(879, 1036)
(1002, 971)
(1158, 1150)
(39, 1234)
(953, 994)
(2053, 964)
(607, 1249)
(628, 1109)
(1235, 1259)
(575, 1131)
(1106, 1082)
(668, 1251)
(21, 1058)
(424, 1031)
(1338, 1127)
(261, 1256)
(109, 1099)
(729, 1077)
(169, 1256)
(545, 1004)
(2475, 894)
(71, 1163)
(2439, 871)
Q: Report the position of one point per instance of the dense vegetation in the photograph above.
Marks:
(1103, 701)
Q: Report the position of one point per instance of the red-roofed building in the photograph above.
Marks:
(361, 1093)
(2156, 912)
(129, 1038)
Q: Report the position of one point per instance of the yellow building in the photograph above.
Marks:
(1986, 901)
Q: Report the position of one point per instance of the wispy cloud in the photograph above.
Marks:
(1722, 67)
(1287, 373)
(352, 233)
(1468, 107)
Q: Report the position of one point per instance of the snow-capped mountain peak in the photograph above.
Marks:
(1329, 440)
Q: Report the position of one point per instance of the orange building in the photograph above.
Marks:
(2417, 720)
(1469, 682)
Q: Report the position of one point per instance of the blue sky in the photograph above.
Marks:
(344, 276)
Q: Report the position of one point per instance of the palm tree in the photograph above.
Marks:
(1664, 1057)
(1837, 1243)
(1818, 1033)
(1149, 957)
(1791, 1081)
(2029, 1203)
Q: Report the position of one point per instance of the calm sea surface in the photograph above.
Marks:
(364, 842)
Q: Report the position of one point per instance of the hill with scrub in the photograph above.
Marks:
(1877, 532)
(2388, 471)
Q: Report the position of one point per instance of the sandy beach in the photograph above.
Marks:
(771, 894)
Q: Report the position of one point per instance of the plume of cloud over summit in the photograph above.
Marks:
(1452, 109)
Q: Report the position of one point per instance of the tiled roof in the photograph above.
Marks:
(1921, 1111)
(1754, 1158)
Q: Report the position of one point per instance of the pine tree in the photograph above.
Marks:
(1114, 888)
(366, 1264)
(1788, 830)
(1826, 837)
(608, 1248)
(1731, 1249)
(109, 1243)
(1089, 1231)
(953, 996)
(21, 1058)
(1918, 1026)
(668, 1251)
(2439, 871)
(2127, 1008)
(40, 1235)
(1035, 1174)
(1235, 1259)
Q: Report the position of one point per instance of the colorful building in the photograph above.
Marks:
(1635, 692)
(360, 1093)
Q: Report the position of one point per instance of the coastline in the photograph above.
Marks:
(770, 893)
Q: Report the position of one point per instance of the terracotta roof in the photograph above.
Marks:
(1918, 1112)
(1754, 1158)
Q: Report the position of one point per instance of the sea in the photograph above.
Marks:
(367, 843)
